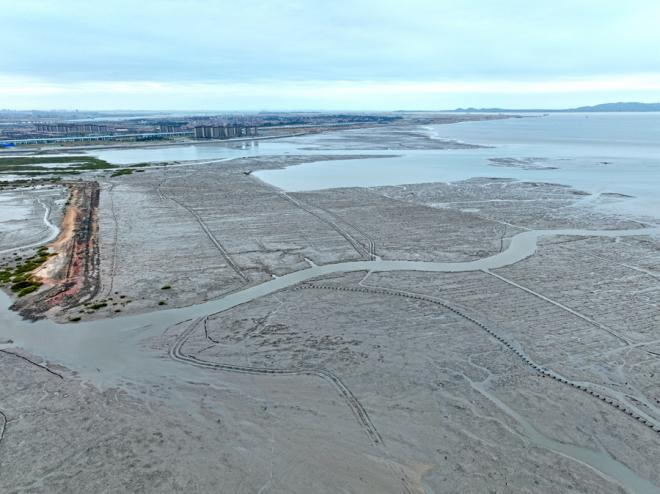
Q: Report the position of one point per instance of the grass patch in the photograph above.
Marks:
(21, 285)
(28, 289)
(100, 305)
(32, 165)
(20, 276)
(123, 171)
(89, 161)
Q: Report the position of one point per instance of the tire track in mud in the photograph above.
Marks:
(176, 353)
(357, 245)
(113, 268)
(543, 371)
(371, 245)
(207, 231)
(3, 425)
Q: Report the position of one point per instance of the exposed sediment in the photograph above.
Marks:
(71, 275)
(486, 335)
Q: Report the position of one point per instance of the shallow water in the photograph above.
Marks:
(616, 153)
(605, 152)
(111, 351)
(103, 344)
(598, 460)
(189, 152)
(588, 134)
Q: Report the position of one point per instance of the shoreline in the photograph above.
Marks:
(472, 286)
(65, 150)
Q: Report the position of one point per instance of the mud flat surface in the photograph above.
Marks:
(29, 216)
(487, 335)
(410, 134)
(391, 138)
(206, 232)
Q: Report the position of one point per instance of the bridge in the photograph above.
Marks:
(45, 140)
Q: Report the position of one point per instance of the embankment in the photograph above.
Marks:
(71, 275)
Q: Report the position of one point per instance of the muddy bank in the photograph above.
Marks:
(70, 275)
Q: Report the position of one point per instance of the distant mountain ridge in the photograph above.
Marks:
(632, 106)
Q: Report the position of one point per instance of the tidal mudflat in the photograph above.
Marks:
(482, 333)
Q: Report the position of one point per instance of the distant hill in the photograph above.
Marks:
(633, 106)
(604, 107)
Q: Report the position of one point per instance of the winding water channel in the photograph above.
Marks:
(619, 155)
(53, 231)
(110, 351)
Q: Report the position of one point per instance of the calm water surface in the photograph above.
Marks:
(599, 153)
(604, 152)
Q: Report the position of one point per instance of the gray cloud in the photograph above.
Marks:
(74, 42)
(243, 41)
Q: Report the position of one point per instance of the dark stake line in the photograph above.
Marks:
(538, 368)
(33, 363)
(356, 407)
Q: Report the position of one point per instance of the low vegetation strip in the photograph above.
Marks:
(32, 165)
(80, 160)
(123, 171)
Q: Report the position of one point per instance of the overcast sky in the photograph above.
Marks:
(319, 54)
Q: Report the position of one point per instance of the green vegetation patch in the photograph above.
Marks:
(28, 289)
(34, 165)
(20, 276)
(30, 182)
(123, 171)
